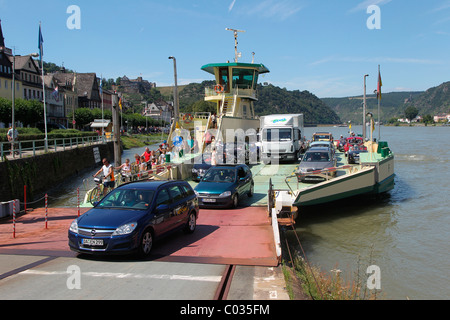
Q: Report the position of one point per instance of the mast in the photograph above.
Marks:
(236, 54)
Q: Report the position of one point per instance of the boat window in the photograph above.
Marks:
(243, 78)
(223, 78)
(277, 134)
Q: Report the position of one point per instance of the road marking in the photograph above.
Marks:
(127, 275)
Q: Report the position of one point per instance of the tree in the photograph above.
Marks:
(428, 119)
(411, 112)
(83, 116)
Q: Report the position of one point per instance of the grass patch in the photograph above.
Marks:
(141, 140)
(308, 282)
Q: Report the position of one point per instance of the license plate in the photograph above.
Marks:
(209, 200)
(92, 242)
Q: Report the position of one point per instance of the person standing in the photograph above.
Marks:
(12, 135)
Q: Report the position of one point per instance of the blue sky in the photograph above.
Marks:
(323, 46)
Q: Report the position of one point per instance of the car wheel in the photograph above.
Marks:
(252, 190)
(191, 223)
(235, 201)
(146, 243)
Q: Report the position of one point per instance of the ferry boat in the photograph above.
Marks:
(234, 93)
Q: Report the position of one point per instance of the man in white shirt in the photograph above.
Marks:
(108, 173)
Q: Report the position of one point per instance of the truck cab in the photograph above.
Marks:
(281, 137)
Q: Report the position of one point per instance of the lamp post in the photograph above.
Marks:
(13, 98)
(364, 109)
(175, 92)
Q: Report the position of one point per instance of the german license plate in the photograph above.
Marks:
(209, 200)
(92, 242)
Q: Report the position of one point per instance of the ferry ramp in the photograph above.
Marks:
(242, 236)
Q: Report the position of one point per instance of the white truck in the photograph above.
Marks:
(282, 137)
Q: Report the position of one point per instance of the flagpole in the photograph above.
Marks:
(379, 104)
(41, 53)
(101, 92)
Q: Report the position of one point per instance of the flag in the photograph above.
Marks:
(379, 85)
(120, 103)
(40, 44)
(55, 94)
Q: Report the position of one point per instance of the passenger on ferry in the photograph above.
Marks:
(147, 154)
(125, 169)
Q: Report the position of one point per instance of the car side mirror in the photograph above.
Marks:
(162, 207)
(95, 203)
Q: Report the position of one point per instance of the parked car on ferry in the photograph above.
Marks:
(353, 153)
(323, 144)
(351, 141)
(133, 215)
(201, 164)
(223, 185)
(322, 136)
(314, 161)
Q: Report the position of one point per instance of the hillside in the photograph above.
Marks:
(351, 108)
(271, 99)
(434, 101)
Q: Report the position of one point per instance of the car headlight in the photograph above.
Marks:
(74, 226)
(125, 229)
(225, 194)
(196, 193)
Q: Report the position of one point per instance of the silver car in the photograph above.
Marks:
(314, 161)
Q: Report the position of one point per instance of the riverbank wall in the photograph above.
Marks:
(42, 172)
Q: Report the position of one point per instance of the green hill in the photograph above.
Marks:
(351, 108)
(434, 101)
(271, 100)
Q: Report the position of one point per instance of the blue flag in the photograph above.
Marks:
(40, 44)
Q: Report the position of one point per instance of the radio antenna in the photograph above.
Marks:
(236, 54)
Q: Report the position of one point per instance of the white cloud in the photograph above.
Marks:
(365, 4)
(231, 6)
(281, 9)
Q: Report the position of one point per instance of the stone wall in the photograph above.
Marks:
(43, 172)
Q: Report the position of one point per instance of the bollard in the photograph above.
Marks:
(46, 210)
(25, 198)
(14, 219)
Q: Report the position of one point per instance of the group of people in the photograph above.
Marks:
(144, 162)
(150, 159)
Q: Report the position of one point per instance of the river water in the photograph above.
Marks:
(405, 233)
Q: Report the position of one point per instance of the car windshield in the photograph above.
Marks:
(277, 134)
(134, 199)
(319, 136)
(220, 175)
(317, 156)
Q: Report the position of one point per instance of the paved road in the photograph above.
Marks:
(38, 265)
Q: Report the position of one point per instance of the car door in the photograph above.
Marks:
(243, 185)
(163, 212)
(180, 206)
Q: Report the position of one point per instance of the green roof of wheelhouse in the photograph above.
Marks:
(259, 67)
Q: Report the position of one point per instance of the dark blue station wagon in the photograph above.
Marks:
(133, 215)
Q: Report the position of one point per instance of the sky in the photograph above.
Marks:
(323, 46)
